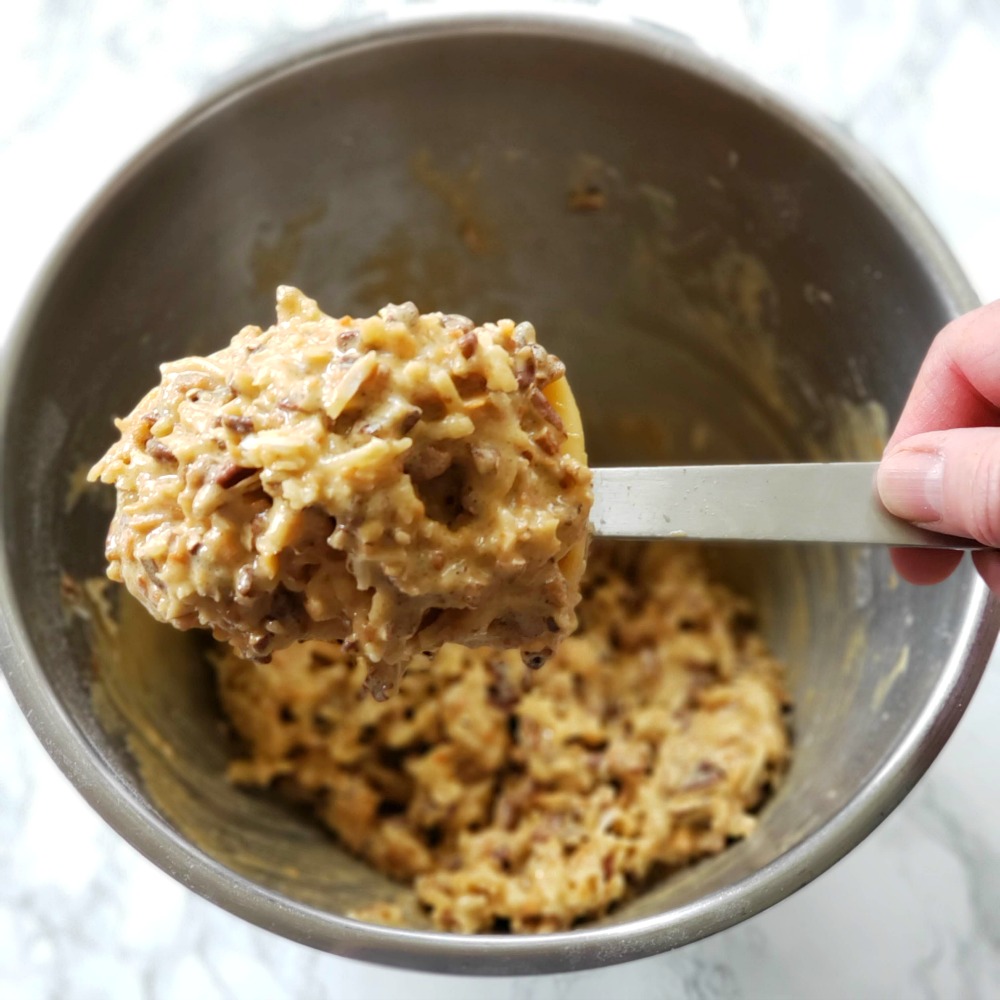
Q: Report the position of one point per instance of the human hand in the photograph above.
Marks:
(941, 467)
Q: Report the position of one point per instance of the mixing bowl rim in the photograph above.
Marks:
(136, 820)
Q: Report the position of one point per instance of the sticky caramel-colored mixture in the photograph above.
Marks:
(397, 482)
(531, 801)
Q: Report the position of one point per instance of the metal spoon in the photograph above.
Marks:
(835, 502)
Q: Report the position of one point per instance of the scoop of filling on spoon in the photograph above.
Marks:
(393, 483)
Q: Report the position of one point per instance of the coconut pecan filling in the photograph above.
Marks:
(393, 483)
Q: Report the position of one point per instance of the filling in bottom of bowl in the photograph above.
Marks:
(531, 801)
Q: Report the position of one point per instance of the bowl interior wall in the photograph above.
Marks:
(734, 297)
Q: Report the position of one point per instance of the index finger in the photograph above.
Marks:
(958, 384)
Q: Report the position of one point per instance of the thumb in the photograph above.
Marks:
(947, 481)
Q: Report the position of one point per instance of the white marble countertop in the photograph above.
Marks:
(914, 911)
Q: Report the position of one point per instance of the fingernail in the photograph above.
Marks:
(911, 485)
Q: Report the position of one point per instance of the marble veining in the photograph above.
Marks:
(914, 911)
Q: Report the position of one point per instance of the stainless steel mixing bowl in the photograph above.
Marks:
(725, 278)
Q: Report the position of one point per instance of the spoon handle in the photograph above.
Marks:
(824, 502)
